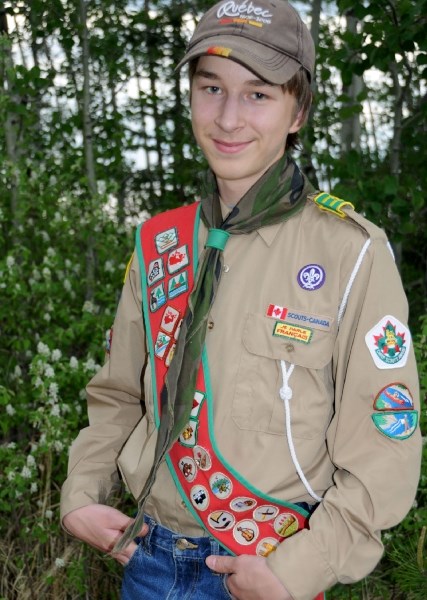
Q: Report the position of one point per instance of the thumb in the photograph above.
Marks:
(221, 564)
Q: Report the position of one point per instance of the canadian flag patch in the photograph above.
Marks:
(277, 312)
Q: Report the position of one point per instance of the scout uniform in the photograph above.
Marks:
(314, 388)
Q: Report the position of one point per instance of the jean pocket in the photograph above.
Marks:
(224, 585)
(134, 557)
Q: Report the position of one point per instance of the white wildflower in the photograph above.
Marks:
(74, 363)
(11, 476)
(53, 390)
(67, 285)
(89, 365)
(38, 382)
(36, 274)
(45, 236)
(56, 354)
(18, 494)
(59, 563)
(26, 472)
(43, 349)
(57, 217)
(65, 409)
(109, 266)
(31, 461)
(55, 412)
(82, 394)
(89, 307)
(10, 261)
(49, 372)
(11, 446)
(46, 272)
(31, 281)
(42, 439)
(68, 263)
(17, 372)
(34, 487)
(58, 445)
(51, 252)
(48, 514)
(18, 287)
(10, 410)
(47, 317)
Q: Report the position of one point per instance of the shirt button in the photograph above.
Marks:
(290, 347)
(210, 325)
(226, 268)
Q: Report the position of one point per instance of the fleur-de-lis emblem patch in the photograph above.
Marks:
(311, 277)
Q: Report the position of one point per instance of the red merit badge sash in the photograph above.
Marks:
(240, 517)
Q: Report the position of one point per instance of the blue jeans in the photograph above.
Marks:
(167, 566)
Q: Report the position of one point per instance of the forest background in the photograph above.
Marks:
(95, 137)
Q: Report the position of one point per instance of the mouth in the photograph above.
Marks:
(230, 147)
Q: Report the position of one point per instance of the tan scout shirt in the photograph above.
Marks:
(367, 480)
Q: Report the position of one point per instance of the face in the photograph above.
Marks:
(240, 122)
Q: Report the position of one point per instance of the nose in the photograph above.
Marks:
(230, 114)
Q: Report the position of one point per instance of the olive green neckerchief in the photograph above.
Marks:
(276, 196)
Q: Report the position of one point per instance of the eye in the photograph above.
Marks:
(213, 89)
(259, 96)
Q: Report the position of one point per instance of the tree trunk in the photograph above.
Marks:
(11, 125)
(89, 153)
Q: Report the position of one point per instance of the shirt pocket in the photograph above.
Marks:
(257, 405)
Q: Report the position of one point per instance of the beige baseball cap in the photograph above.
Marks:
(267, 37)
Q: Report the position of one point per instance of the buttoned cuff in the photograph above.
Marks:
(301, 567)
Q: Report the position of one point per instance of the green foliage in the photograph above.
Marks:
(63, 250)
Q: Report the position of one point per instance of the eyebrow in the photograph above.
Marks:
(214, 77)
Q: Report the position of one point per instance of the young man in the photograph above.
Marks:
(268, 326)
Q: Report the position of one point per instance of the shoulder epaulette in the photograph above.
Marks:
(332, 204)
(128, 268)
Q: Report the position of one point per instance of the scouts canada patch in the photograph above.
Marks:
(293, 332)
(389, 342)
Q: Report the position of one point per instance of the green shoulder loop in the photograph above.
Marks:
(331, 204)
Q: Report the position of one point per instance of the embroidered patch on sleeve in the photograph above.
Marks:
(389, 342)
(394, 396)
(398, 425)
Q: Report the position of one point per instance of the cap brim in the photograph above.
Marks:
(268, 64)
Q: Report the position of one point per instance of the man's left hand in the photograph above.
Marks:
(249, 577)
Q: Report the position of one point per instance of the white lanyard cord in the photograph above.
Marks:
(286, 395)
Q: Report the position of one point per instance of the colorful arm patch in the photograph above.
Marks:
(395, 417)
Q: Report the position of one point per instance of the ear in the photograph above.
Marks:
(299, 121)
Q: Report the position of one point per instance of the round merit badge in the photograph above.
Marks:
(311, 277)
(188, 468)
(266, 546)
(221, 520)
(199, 497)
(265, 513)
(285, 525)
(202, 458)
(242, 503)
(221, 485)
(246, 532)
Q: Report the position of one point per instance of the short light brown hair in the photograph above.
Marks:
(298, 86)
